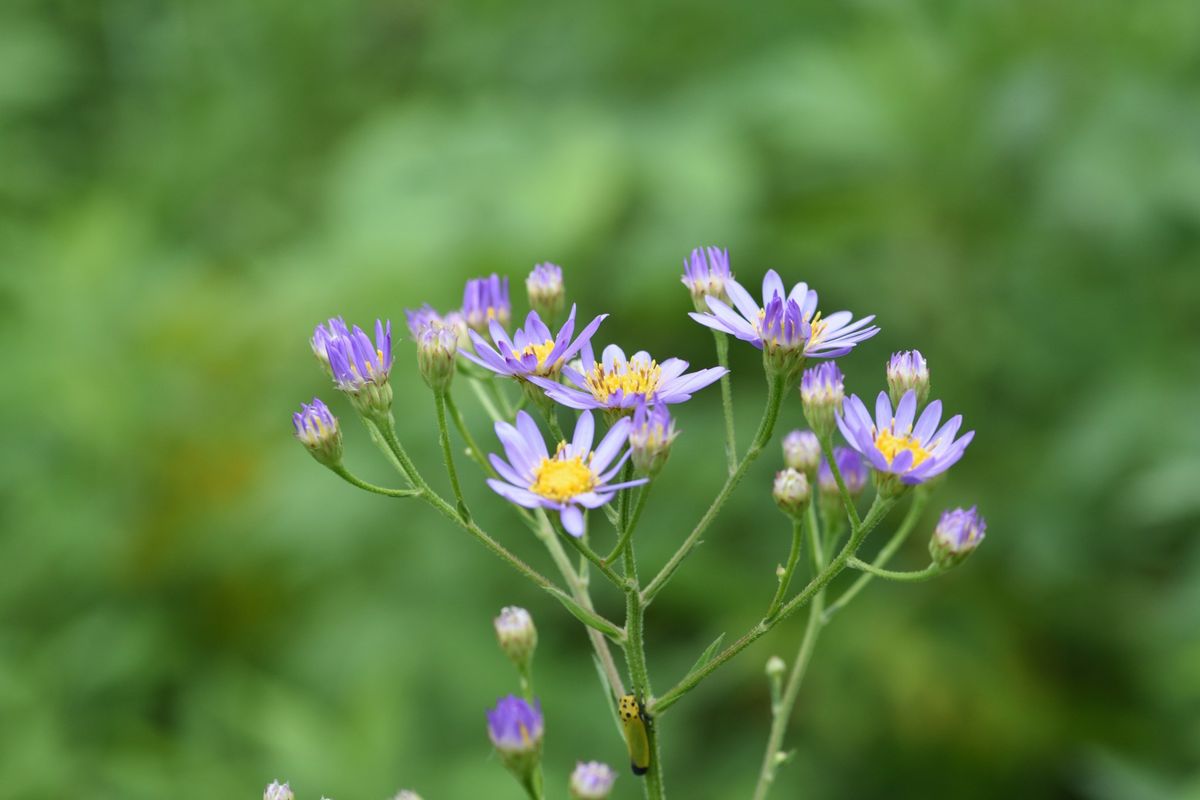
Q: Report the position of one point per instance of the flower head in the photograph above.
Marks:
(533, 351)
(278, 791)
(517, 635)
(484, 300)
(828, 337)
(822, 390)
(791, 492)
(407, 794)
(545, 288)
(908, 370)
(894, 446)
(592, 781)
(802, 451)
(436, 347)
(618, 383)
(650, 438)
(705, 273)
(956, 536)
(852, 469)
(360, 367)
(323, 334)
(515, 726)
(318, 430)
(575, 477)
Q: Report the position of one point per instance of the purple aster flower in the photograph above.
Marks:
(958, 533)
(705, 273)
(893, 445)
(822, 390)
(324, 334)
(650, 438)
(356, 361)
(545, 288)
(619, 383)
(850, 464)
(427, 316)
(592, 781)
(317, 429)
(515, 726)
(486, 299)
(574, 478)
(908, 370)
(827, 337)
(532, 350)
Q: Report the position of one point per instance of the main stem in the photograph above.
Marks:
(448, 454)
(765, 428)
(726, 399)
(639, 676)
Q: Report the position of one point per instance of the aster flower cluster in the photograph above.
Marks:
(575, 434)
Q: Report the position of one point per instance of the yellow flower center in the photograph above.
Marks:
(636, 378)
(818, 329)
(891, 446)
(560, 479)
(542, 351)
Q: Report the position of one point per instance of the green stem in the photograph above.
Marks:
(633, 521)
(892, 575)
(639, 676)
(726, 399)
(481, 394)
(793, 558)
(877, 512)
(847, 500)
(765, 428)
(592, 556)
(448, 454)
(781, 711)
(920, 498)
(463, 431)
(370, 487)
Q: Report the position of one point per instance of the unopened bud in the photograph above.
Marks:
(822, 390)
(650, 438)
(278, 791)
(516, 729)
(802, 451)
(775, 667)
(517, 635)
(545, 287)
(592, 781)
(956, 536)
(791, 491)
(437, 346)
(908, 371)
(318, 430)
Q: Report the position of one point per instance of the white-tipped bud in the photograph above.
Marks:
(278, 791)
(802, 451)
(517, 635)
(822, 390)
(437, 346)
(908, 371)
(775, 667)
(545, 287)
(592, 781)
(792, 492)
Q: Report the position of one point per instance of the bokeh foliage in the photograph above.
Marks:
(190, 607)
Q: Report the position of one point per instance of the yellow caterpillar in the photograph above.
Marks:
(634, 720)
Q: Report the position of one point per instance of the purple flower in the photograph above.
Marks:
(515, 726)
(908, 370)
(486, 299)
(278, 791)
(893, 444)
(324, 334)
(650, 438)
(427, 316)
(958, 533)
(532, 350)
(705, 273)
(795, 315)
(850, 464)
(619, 383)
(545, 288)
(356, 361)
(592, 781)
(574, 478)
(317, 429)
(822, 390)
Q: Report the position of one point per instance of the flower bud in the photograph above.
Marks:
(956, 536)
(516, 729)
(437, 346)
(785, 333)
(650, 438)
(407, 794)
(705, 274)
(852, 468)
(792, 493)
(592, 781)
(517, 635)
(802, 451)
(318, 430)
(361, 367)
(545, 287)
(905, 371)
(822, 390)
(484, 300)
(775, 667)
(278, 791)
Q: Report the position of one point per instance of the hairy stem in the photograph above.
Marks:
(722, 341)
(351, 479)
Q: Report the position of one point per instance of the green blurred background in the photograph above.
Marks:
(190, 607)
